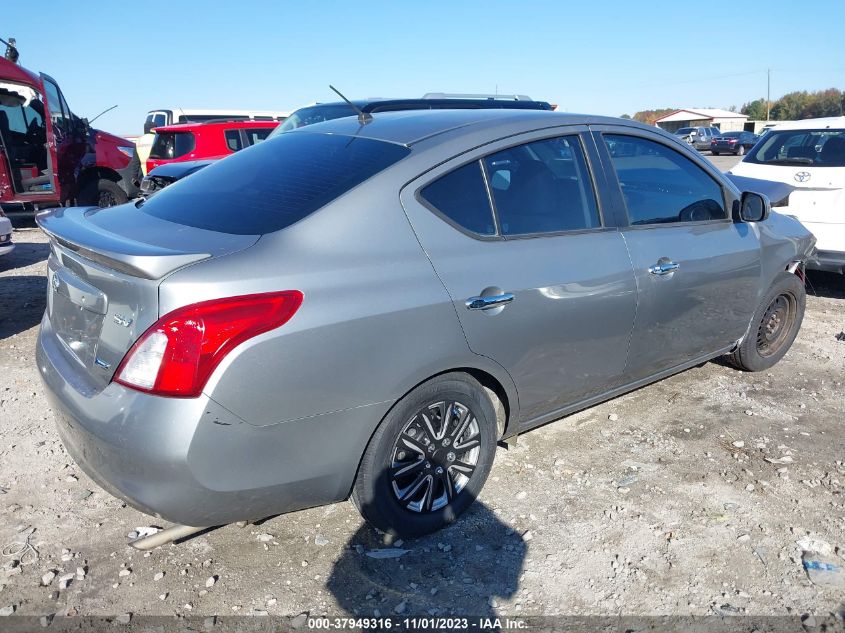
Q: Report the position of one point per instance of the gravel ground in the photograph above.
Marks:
(700, 494)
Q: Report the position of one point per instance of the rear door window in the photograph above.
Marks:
(274, 184)
(461, 197)
(172, 144)
(662, 186)
(256, 135)
(542, 187)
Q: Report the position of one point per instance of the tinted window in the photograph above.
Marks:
(461, 196)
(172, 144)
(314, 114)
(660, 185)
(254, 135)
(542, 187)
(819, 148)
(732, 134)
(233, 140)
(273, 184)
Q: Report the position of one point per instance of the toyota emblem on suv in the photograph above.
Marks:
(802, 176)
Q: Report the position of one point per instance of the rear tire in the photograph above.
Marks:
(774, 326)
(413, 479)
(740, 151)
(102, 193)
(714, 153)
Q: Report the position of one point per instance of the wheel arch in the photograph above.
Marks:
(500, 388)
(95, 173)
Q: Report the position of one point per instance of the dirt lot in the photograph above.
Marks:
(689, 496)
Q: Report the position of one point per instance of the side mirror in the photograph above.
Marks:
(754, 207)
(148, 127)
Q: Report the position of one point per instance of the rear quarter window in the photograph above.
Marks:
(461, 197)
(273, 184)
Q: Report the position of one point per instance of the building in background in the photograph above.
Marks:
(725, 120)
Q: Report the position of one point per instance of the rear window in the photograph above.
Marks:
(172, 144)
(273, 184)
(312, 115)
(818, 148)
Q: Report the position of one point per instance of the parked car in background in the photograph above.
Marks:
(161, 176)
(48, 155)
(352, 309)
(214, 140)
(6, 244)
(808, 155)
(168, 173)
(698, 137)
(736, 143)
(173, 116)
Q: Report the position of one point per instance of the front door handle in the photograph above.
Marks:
(664, 267)
(485, 303)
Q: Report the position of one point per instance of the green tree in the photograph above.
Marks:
(823, 103)
(756, 110)
(625, 116)
(791, 106)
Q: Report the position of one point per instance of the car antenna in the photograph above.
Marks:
(363, 117)
(102, 113)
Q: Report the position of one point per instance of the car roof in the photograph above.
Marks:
(235, 124)
(409, 127)
(812, 124)
(389, 104)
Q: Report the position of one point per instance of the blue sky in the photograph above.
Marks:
(597, 57)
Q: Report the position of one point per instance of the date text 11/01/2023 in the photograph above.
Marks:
(419, 623)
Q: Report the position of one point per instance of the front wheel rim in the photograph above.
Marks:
(435, 456)
(776, 324)
(107, 199)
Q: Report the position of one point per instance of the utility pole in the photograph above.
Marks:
(768, 91)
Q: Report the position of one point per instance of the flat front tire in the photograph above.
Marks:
(774, 326)
(429, 457)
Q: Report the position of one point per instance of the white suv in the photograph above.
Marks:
(809, 155)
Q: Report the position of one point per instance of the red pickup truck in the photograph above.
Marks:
(51, 157)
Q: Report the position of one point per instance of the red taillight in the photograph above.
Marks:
(178, 353)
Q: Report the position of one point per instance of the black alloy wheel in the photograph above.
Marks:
(435, 456)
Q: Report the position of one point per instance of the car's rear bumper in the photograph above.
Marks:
(829, 261)
(189, 460)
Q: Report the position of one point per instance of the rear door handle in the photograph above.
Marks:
(664, 267)
(485, 303)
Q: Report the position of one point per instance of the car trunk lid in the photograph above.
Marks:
(818, 192)
(104, 270)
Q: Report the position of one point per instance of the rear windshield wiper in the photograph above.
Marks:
(796, 160)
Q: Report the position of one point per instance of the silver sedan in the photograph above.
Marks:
(364, 308)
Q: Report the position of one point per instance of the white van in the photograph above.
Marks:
(169, 116)
(808, 155)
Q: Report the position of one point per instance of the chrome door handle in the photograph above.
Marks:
(485, 303)
(664, 268)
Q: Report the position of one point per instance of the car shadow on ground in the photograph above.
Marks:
(464, 570)
(823, 284)
(25, 253)
(22, 302)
